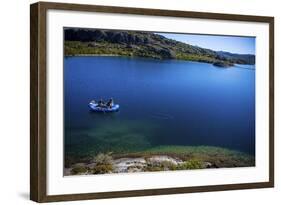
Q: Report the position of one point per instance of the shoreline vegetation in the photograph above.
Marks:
(96, 42)
(160, 158)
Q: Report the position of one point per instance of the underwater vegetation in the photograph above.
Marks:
(124, 147)
(116, 137)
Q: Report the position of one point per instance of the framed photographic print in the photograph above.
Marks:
(134, 102)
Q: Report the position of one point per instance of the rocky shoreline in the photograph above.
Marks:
(160, 158)
(138, 164)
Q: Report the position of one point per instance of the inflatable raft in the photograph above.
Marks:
(94, 107)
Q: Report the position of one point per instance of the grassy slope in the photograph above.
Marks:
(73, 48)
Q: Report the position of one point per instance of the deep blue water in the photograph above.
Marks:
(162, 102)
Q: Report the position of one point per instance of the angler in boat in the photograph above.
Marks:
(102, 106)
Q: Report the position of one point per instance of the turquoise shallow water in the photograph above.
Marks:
(162, 102)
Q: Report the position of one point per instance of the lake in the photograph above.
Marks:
(162, 102)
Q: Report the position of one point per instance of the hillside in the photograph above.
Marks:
(144, 44)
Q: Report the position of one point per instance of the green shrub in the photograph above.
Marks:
(103, 159)
(79, 170)
(102, 169)
(167, 165)
(159, 166)
(104, 164)
(153, 169)
(191, 164)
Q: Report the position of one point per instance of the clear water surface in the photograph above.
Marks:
(162, 102)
